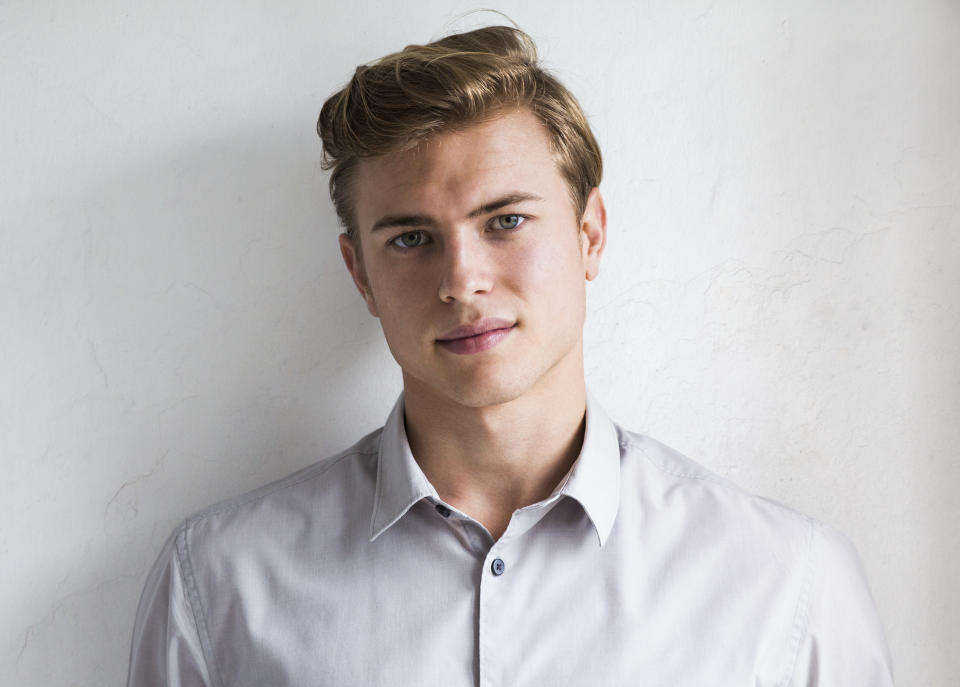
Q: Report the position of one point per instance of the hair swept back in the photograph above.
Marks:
(394, 103)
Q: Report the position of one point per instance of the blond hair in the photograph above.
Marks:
(398, 101)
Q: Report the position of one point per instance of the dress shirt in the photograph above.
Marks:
(642, 568)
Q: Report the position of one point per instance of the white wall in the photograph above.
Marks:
(779, 299)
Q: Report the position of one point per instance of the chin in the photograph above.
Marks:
(483, 394)
(485, 398)
(478, 391)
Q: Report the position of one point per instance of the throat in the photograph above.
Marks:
(488, 467)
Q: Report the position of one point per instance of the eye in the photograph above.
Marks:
(508, 222)
(409, 239)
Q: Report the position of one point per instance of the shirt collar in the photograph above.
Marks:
(593, 481)
(400, 481)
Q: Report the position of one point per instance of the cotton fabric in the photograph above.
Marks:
(642, 568)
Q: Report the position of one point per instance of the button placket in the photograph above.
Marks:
(494, 603)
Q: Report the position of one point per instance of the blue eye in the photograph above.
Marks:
(508, 222)
(409, 239)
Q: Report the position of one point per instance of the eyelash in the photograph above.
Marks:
(393, 243)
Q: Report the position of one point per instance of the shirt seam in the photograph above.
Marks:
(183, 549)
(703, 474)
(801, 622)
(196, 605)
(314, 472)
(802, 612)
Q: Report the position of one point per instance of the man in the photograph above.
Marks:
(499, 529)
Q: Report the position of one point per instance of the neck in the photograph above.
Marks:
(492, 460)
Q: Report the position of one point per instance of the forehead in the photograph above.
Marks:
(460, 169)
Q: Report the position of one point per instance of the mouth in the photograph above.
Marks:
(476, 337)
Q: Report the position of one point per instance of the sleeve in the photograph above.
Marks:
(166, 650)
(843, 643)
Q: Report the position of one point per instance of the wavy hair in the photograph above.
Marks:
(395, 103)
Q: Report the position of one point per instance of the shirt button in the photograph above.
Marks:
(443, 510)
(498, 566)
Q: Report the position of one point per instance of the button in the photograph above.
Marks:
(498, 566)
(443, 510)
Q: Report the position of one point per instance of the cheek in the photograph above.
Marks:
(549, 282)
(390, 281)
(400, 298)
(550, 268)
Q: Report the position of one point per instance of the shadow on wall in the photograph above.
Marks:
(217, 343)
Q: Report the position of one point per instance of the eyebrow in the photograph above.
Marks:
(427, 220)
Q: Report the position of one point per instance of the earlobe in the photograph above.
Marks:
(593, 233)
(354, 262)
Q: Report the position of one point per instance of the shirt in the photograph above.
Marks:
(642, 568)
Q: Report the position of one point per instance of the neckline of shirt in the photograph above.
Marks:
(593, 481)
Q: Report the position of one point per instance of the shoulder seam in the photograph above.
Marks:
(313, 471)
(704, 475)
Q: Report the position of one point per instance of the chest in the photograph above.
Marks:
(539, 610)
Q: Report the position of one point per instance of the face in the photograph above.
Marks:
(475, 261)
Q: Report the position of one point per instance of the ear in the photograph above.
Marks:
(593, 233)
(354, 262)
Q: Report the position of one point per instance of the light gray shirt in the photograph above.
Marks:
(642, 567)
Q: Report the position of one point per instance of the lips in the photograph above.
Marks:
(477, 336)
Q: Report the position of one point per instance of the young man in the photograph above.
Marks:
(499, 529)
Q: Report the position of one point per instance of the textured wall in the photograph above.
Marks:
(779, 299)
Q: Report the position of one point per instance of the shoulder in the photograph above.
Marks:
(315, 494)
(711, 511)
(668, 470)
(682, 494)
(808, 575)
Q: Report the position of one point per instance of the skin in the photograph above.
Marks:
(445, 241)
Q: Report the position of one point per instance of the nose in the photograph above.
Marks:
(466, 269)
